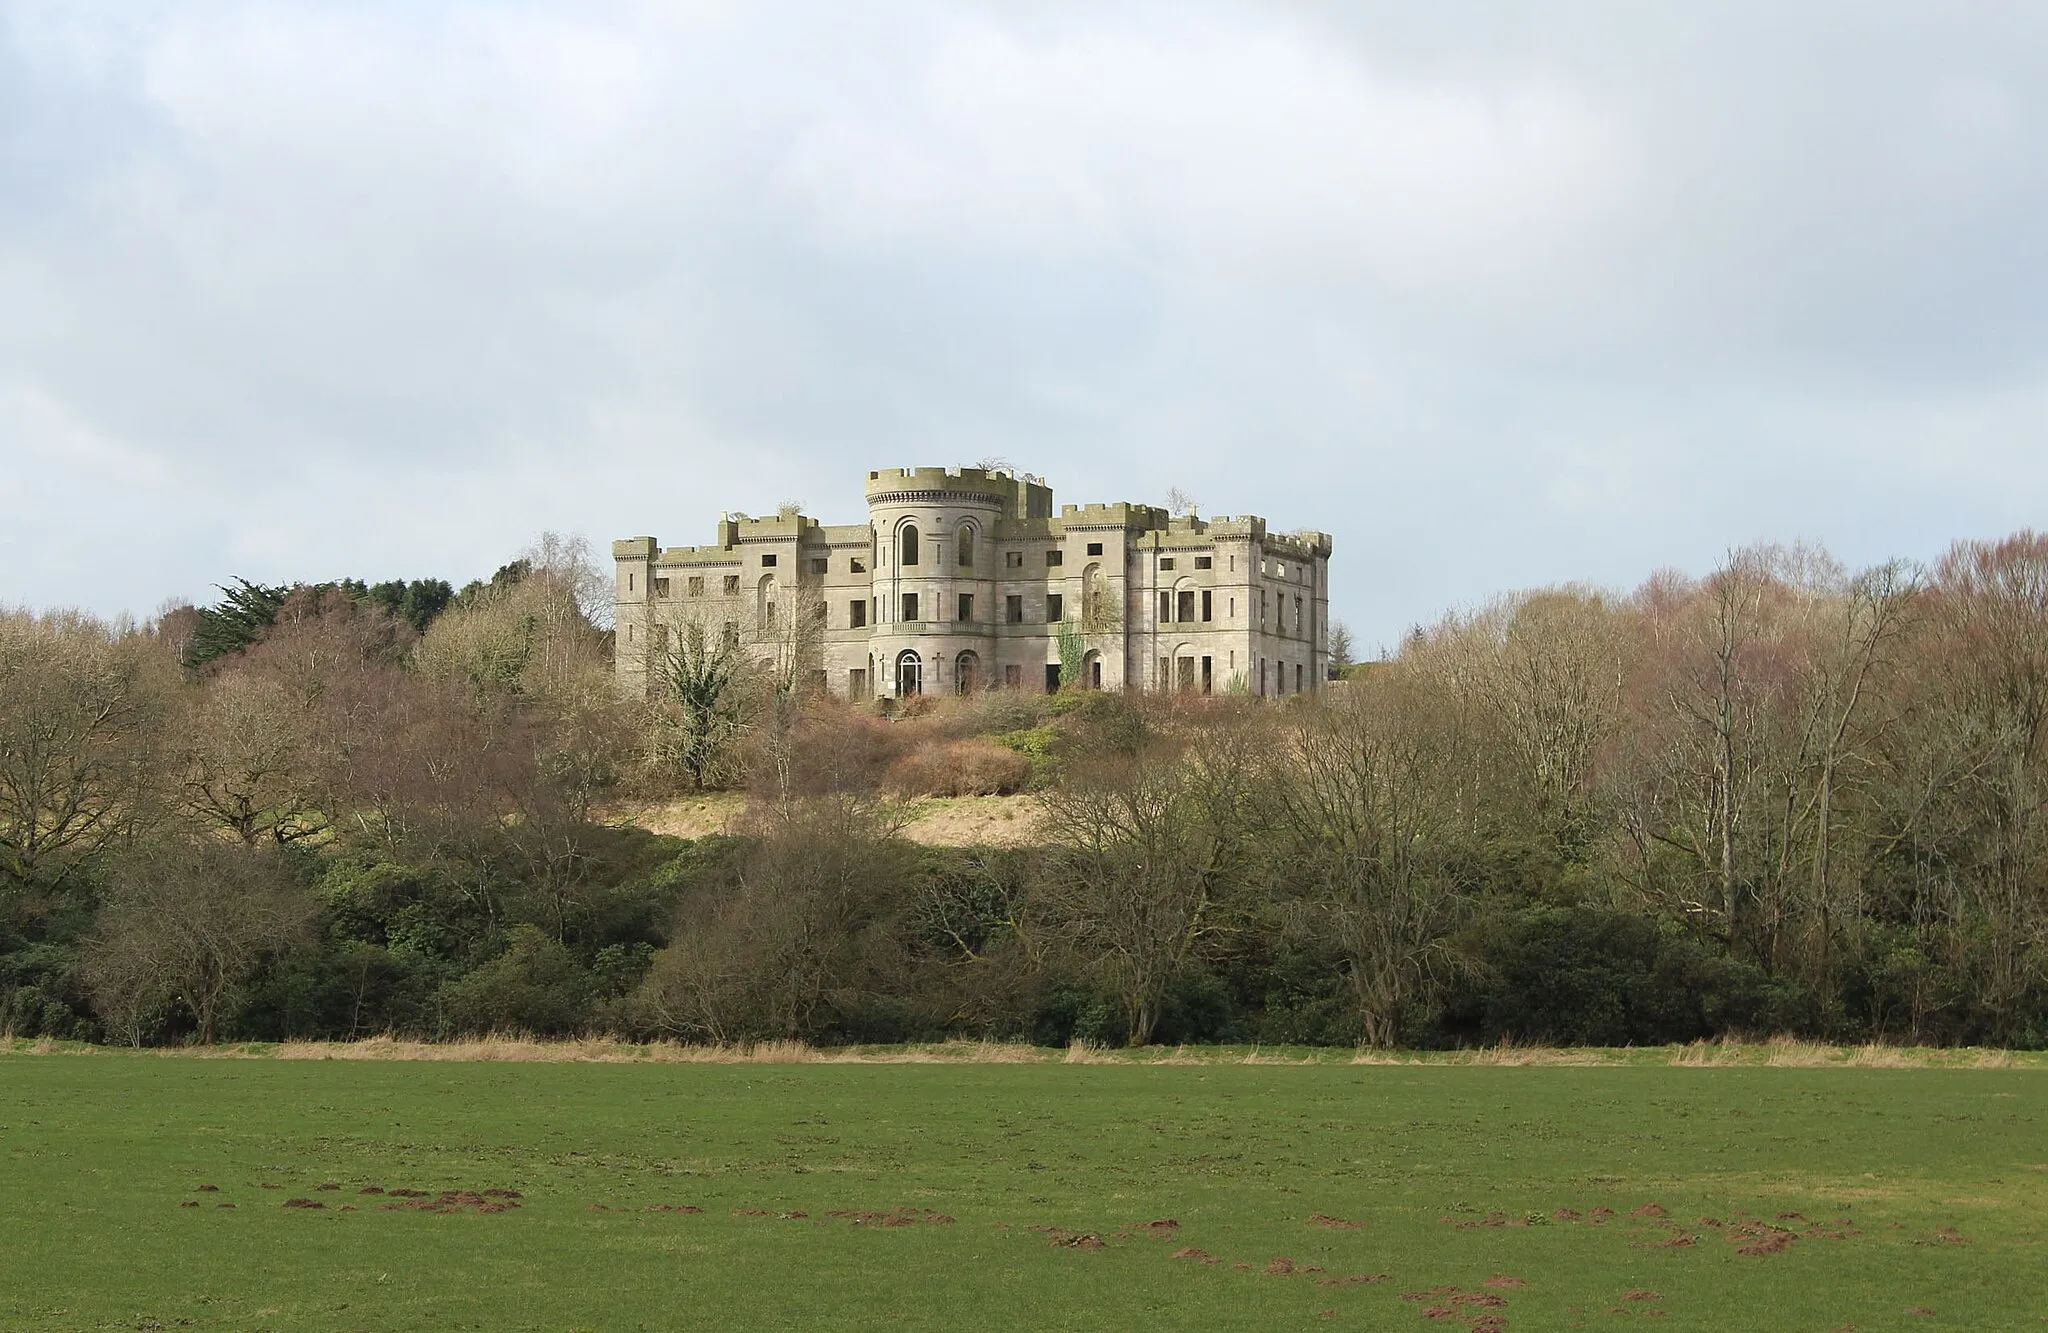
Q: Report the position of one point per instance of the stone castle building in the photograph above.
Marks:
(968, 579)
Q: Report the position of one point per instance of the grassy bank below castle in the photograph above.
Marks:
(952, 1191)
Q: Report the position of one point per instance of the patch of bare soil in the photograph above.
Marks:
(1283, 1266)
(895, 1217)
(453, 1201)
(1334, 1223)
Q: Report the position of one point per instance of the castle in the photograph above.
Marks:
(966, 579)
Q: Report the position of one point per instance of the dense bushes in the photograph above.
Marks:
(1776, 799)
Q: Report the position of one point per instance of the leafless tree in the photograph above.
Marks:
(187, 922)
(1152, 855)
(81, 708)
(1370, 804)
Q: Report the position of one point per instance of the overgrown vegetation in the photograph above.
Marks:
(1781, 798)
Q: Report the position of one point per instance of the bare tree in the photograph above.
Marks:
(1151, 854)
(248, 758)
(1370, 807)
(185, 925)
(80, 716)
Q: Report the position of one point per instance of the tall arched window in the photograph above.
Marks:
(909, 674)
(966, 540)
(909, 540)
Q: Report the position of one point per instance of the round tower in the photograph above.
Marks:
(935, 577)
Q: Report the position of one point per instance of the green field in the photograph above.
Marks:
(1871, 1194)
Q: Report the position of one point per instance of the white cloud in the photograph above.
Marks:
(1572, 292)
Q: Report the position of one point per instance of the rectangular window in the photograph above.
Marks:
(732, 585)
(820, 613)
(966, 607)
(661, 587)
(910, 606)
(1206, 605)
(821, 566)
(1165, 605)
(1055, 608)
(1297, 615)
(1208, 675)
(1167, 563)
(696, 585)
(1052, 677)
(1165, 673)
(1233, 608)
(1187, 673)
(1055, 558)
(1013, 560)
(1297, 678)
(1185, 607)
(1204, 562)
(767, 562)
(629, 583)
(1095, 548)
(1013, 609)
(857, 613)
(859, 567)
(857, 684)
(660, 637)
(1013, 677)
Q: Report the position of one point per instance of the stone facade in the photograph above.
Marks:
(968, 579)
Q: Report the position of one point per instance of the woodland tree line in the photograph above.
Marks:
(1779, 798)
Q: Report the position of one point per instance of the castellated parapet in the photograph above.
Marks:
(966, 579)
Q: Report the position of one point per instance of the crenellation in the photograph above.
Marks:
(968, 578)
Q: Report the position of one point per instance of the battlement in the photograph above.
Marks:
(1300, 545)
(735, 528)
(981, 481)
(956, 580)
(1120, 515)
(1015, 495)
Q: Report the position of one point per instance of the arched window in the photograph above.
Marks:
(966, 541)
(909, 541)
(967, 673)
(909, 674)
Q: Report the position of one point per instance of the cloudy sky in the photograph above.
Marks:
(1498, 294)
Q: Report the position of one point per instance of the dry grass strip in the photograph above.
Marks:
(1770, 1053)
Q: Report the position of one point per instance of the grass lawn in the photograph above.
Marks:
(1462, 1196)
